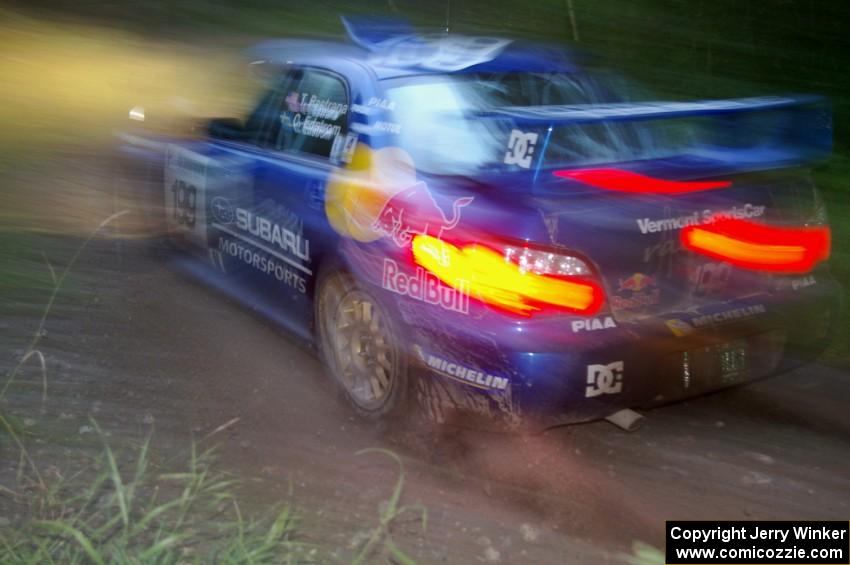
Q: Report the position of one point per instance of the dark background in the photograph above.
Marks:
(683, 47)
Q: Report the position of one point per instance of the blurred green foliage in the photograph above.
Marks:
(685, 47)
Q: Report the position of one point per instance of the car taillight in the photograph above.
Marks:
(628, 181)
(543, 262)
(760, 247)
(516, 279)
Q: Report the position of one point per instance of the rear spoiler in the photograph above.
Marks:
(372, 32)
(745, 134)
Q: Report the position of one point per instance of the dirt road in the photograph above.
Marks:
(136, 343)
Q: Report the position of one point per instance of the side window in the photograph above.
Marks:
(313, 116)
(263, 125)
(263, 112)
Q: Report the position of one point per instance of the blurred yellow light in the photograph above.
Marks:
(736, 250)
(497, 281)
(137, 113)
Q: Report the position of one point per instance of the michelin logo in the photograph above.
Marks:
(458, 372)
(682, 328)
(729, 315)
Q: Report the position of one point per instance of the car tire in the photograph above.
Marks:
(359, 343)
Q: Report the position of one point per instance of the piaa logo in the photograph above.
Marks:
(593, 324)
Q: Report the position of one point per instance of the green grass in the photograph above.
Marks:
(178, 511)
(136, 513)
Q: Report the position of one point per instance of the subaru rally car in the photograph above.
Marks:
(491, 228)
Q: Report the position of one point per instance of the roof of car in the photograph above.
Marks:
(392, 52)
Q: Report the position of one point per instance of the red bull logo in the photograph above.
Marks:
(639, 292)
(637, 282)
(414, 211)
(377, 195)
(425, 287)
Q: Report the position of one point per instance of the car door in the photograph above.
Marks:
(277, 229)
(206, 182)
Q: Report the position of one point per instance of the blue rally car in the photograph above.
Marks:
(494, 229)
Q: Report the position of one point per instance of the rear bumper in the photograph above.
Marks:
(538, 374)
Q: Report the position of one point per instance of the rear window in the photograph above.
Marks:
(441, 127)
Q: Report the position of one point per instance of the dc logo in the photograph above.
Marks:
(604, 379)
(222, 210)
(520, 148)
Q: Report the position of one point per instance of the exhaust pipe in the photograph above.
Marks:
(626, 419)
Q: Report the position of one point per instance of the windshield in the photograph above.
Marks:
(440, 127)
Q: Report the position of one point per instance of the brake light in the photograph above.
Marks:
(628, 181)
(495, 278)
(759, 247)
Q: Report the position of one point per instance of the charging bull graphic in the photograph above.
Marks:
(636, 291)
(414, 211)
(637, 282)
(378, 195)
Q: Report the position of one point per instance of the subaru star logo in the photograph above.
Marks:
(222, 210)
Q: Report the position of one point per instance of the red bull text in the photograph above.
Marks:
(425, 287)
